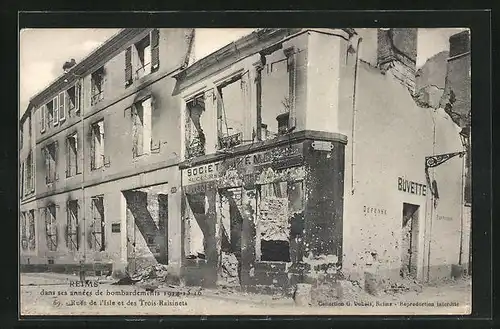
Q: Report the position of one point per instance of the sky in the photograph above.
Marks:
(44, 51)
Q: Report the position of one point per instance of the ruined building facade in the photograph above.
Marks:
(285, 156)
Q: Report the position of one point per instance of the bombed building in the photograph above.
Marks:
(287, 155)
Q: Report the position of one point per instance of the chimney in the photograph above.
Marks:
(397, 53)
(459, 44)
(68, 65)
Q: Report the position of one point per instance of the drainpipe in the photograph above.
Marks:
(354, 110)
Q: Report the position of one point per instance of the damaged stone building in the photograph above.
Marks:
(102, 154)
(286, 155)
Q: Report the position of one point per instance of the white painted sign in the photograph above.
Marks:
(322, 146)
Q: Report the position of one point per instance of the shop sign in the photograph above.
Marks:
(200, 174)
(408, 186)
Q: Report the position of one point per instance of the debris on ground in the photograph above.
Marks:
(338, 290)
(402, 285)
(151, 276)
(229, 270)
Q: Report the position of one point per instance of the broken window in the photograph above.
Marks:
(29, 173)
(72, 101)
(141, 127)
(279, 218)
(22, 176)
(231, 219)
(97, 145)
(72, 155)
(50, 155)
(51, 227)
(142, 58)
(195, 137)
(97, 241)
(21, 136)
(230, 113)
(52, 112)
(31, 230)
(196, 225)
(42, 114)
(276, 98)
(72, 228)
(97, 86)
(24, 236)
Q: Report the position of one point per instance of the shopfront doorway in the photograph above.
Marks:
(409, 246)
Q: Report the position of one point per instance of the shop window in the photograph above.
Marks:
(31, 230)
(141, 127)
(195, 136)
(231, 219)
(72, 228)
(97, 145)
(72, 155)
(24, 235)
(50, 156)
(273, 224)
(279, 218)
(275, 251)
(230, 113)
(97, 86)
(195, 226)
(97, 232)
(51, 227)
(277, 96)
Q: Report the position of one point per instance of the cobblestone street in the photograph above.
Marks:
(46, 293)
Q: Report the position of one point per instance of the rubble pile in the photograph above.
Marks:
(156, 272)
(229, 270)
(337, 290)
(402, 286)
(153, 275)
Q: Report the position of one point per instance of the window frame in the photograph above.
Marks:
(102, 227)
(52, 230)
(93, 155)
(73, 241)
(99, 96)
(74, 136)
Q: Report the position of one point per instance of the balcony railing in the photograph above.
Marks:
(96, 98)
(143, 71)
(231, 140)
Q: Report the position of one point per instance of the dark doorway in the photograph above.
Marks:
(409, 245)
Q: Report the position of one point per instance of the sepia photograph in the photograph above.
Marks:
(245, 171)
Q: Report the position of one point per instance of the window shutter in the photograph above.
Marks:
(47, 164)
(67, 146)
(155, 49)
(55, 106)
(78, 91)
(62, 106)
(42, 118)
(128, 66)
(66, 103)
(92, 147)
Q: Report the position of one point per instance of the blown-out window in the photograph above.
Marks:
(51, 227)
(195, 136)
(142, 127)
(97, 145)
(97, 233)
(72, 236)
